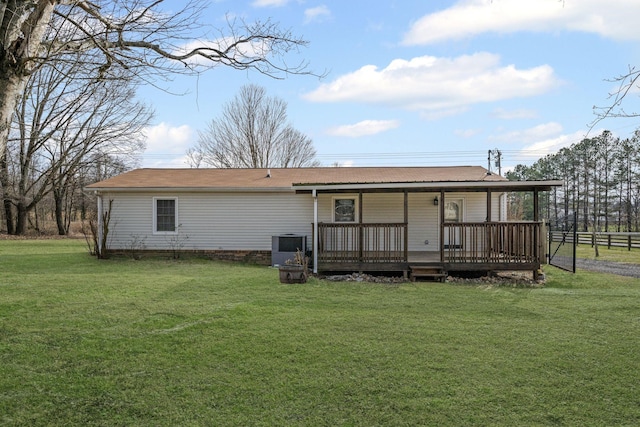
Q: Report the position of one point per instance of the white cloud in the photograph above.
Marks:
(167, 145)
(500, 113)
(269, 3)
(364, 128)
(542, 147)
(167, 162)
(616, 19)
(433, 83)
(527, 136)
(317, 14)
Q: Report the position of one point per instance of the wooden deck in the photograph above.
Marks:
(383, 247)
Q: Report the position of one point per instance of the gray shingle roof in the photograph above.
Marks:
(286, 178)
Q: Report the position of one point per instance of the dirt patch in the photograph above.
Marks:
(361, 277)
(514, 279)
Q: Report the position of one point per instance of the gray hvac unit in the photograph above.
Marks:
(284, 247)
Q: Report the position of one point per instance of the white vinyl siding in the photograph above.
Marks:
(383, 207)
(424, 224)
(376, 207)
(424, 227)
(246, 221)
(474, 205)
(214, 221)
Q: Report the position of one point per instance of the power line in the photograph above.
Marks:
(436, 157)
(408, 158)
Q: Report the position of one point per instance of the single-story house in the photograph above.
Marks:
(429, 219)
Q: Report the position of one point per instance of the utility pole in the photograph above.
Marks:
(497, 160)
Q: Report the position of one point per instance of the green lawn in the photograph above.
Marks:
(195, 342)
(609, 254)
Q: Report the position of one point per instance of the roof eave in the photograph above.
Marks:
(418, 186)
(190, 189)
(448, 185)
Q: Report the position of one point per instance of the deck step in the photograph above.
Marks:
(434, 273)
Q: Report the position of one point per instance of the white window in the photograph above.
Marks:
(345, 209)
(453, 211)
(165, 215)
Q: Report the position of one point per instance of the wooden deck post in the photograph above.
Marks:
(442, 202)
(536, 218)
(406, 230)
(360, 229)
(487, 231)
(406, 223)
(315, 234)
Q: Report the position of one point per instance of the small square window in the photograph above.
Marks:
(344, 210)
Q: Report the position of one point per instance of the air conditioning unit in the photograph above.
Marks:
(284, 247)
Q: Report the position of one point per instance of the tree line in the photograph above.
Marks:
(601, 184)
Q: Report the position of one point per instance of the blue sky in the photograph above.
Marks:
(423, 83)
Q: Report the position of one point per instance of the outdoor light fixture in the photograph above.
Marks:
(435, 201)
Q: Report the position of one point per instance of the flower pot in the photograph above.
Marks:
(293, 273)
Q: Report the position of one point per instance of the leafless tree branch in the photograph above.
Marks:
(625, 84)
(133, 35)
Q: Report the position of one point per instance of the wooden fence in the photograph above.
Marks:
(610, 239)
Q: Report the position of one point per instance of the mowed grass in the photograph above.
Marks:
(201, 343)
(614, 254)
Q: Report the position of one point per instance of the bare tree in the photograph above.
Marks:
(68, 115)
(252, 132)
(137, 35)
(626, 83)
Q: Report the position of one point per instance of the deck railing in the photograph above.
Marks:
(492, 242)
(368, 243)
(469, 242)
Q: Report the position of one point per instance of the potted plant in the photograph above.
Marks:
(295, 270)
